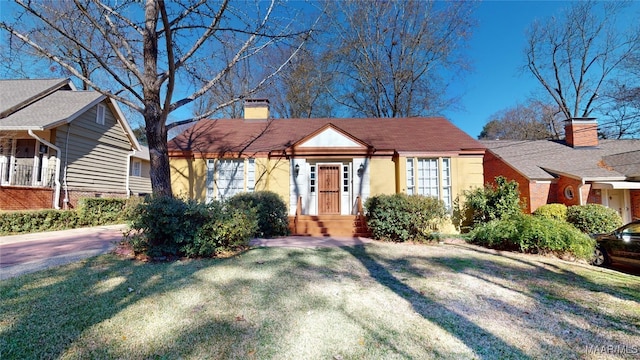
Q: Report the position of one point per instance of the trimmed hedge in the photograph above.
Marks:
(534, 234)
(593, 218)
(91, 212)
(401, 217)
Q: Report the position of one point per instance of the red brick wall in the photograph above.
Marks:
(578, 134)
(541, 194)
(494, 167)
(76, 195)
(562, 184)
(635, 204)
(25, 198)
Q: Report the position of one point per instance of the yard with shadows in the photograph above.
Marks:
(377, 301)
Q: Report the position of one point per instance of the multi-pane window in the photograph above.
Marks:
(227, 177)
(100, 114)
(345, 178)
(230, 178)
(251, 175)
(446, 182)
(430, 177)
(411, 184)
(312, 179)
(136, 168)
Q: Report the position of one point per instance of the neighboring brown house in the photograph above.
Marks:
(58, 144)
(578, 170)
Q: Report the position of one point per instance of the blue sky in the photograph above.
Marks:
(496, 50)
(497, 80)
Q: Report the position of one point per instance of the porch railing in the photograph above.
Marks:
(25, 175)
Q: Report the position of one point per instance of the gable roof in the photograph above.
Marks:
(43, 104)
(18, 93)
(545, 159)
(404, 135)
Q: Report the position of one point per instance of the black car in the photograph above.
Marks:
(620, 245)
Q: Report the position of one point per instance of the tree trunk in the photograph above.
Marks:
(154, 116)
(159, 155)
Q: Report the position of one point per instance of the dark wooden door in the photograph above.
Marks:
(328, 189)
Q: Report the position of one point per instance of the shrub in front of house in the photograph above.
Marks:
(552, 211)
(90, 212)
(101, 210)
(19, 222)
(492, 202)
(271, 211)
(534, 234)
(593, 218)
(401, 217)
(166, 226)
(226, 229)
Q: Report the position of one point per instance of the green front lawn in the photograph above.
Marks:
(380, 301)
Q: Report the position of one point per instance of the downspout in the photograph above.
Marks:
(56, 198)
(127, 187)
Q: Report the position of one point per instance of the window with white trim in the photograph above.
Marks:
(136, 167)
(251, 175)
(430, 177)
(312, 179)
(345, 178)
(228, 177)
(100, 111)
(411, 185)
(446, 182)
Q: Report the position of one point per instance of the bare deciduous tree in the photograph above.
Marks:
(396, 57)
(533, 121)
(156, 49)
(573, 55)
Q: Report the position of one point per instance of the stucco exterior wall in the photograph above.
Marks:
(273, 175)
(189, 178)
(467, 173)
(382, 176)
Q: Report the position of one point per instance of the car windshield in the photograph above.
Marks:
(632, 229)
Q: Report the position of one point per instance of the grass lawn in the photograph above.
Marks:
(379, 301)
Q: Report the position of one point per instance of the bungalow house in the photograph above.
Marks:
(324, 169)
(578, 170)
(58, 144)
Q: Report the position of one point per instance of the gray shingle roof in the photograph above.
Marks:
(541, 159)
(36, 112)
(627, 163)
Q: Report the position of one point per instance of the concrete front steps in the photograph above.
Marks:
(329, 225)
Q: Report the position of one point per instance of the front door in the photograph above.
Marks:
(328, 189)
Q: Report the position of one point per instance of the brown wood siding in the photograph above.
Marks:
(95, 155)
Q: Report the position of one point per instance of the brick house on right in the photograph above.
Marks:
(578, 170)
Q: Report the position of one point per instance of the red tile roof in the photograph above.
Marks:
(419, 135)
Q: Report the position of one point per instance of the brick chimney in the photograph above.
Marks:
(581, 132)
(256, 109)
